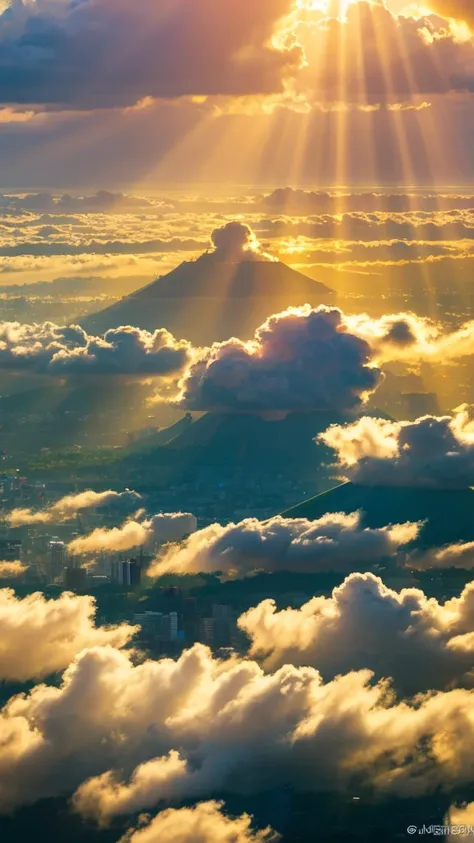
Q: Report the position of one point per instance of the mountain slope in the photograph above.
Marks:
(209, 300)
(448, 514)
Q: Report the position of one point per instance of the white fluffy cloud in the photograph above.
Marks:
(162, 528)
(429, 452)
(418, 642)
(336, 542)
(39, 636)
(203, 823)
(68, 507)
(237, 728)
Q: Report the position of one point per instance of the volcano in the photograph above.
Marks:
(209, 300)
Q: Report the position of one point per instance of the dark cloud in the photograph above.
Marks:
(66, 54)
(301, 359)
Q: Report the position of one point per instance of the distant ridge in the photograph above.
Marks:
(448, 513)
(209, 300)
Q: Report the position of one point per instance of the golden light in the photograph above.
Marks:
(334, 8)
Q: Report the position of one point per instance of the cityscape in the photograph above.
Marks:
(236, 421)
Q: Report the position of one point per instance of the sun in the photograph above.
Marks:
(334, 8)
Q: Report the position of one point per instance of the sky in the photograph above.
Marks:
(101, 93)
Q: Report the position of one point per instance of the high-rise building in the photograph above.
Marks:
(11, 550)
(57, 560)
(126, 573)
(75, 579)
(158, 626)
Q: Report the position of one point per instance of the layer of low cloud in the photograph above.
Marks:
(39, 636)
(417, 641)
(69, 506)
(158, 529)
(336, 542)
(433, 452)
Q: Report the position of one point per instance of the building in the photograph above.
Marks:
(11, 550)
(126, 573)
(75, 579)
(158, 626)
(57, 559)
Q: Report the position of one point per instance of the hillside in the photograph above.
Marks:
(448, 514)
(209, 300)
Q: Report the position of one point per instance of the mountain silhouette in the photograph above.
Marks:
(447, 514)
(209, 300)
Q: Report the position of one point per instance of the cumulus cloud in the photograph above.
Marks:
(434, 452)
(159, 529)
(237, 728)
(204, 822)
(61, 351)
(65, 54)
(68, 507)
(336, 542)
(235, 241)
(300, 359)
(418, 642)
(40, 636)
(12, 569)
